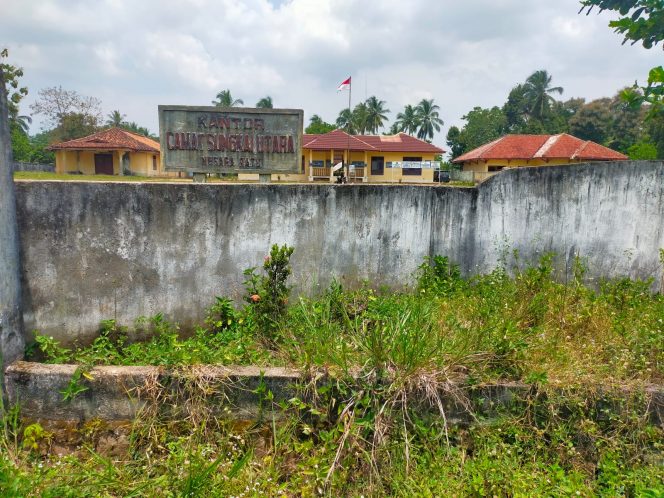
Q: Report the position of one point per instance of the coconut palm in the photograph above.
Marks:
(375, 114)
(265, 103)
(346, 122)
(537, 93)
(225, 99)
(428, 119)
(407, 120)
(360, 118)
(115, 118)
(23, 122)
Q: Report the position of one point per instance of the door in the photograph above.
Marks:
(103, 164)
(378, 165)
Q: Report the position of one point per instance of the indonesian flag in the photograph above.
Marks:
(345, 85)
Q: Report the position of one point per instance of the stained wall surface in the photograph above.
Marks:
(92, 251)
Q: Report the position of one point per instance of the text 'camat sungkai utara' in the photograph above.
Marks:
(210, 139)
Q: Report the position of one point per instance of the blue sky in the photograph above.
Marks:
(135, 55)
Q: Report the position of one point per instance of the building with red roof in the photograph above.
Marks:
(371, 158)
(114, 151)
(534, 150)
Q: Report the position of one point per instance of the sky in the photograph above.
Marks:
(137, 54)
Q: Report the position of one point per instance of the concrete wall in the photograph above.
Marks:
(95, 250)
(47, 168)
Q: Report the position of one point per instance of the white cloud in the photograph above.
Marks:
(137, 55)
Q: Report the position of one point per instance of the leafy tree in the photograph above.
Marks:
(115, 119)
(225, 99)
(21, 148)
(537, 92)
(516, 110)
(318, 126)
(15, 92)
(428, 118)
(655, 130)
(39, 154)
(454, 142)
(482, 126)
(58, 105)
(407, 120)
(265, 103)
(641, 20)
(375, 114)
(593, 121)
(74, 125)
(642, 150)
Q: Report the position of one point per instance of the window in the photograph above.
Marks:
(408, 171)
(154, 163)
(377, 165)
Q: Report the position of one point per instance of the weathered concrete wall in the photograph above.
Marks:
(95, 250)
(46, 168)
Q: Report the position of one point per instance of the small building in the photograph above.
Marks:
(398, 158)
(511, 151)
(114, 151)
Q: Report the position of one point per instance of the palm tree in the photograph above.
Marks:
(115, 118)
(376, 114)
(360, 118)
(346, 122)
(23, 122)
(265, 103)
(225, 99)
(428, 119)
(537, 90)
(407, 120)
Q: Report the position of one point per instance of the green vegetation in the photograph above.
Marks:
(377, 426)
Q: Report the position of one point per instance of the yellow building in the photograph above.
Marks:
(513, 151)
(109, 152)
(365, 158)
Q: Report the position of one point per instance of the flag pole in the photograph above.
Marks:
(350, 118)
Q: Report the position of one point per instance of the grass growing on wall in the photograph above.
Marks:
(379, 429)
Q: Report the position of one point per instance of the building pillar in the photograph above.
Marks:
(331, 165)
(12, 341)
(311, 158)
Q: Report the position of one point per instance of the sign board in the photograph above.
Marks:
(230, 139)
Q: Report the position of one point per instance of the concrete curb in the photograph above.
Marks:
(118, 393)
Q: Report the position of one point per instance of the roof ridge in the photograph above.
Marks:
(547, 145)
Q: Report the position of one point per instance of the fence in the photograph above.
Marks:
(47, 168)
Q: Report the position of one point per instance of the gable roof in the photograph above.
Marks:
(110, 139)
(562, 146)
(340, 140)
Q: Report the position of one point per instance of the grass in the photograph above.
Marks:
(379, 428)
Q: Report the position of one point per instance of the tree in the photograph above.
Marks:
(537, 92)
(375, 114)
(225, 99)
(359, 117)
(74, 125)
(482, 126)
(592, 121)
(15, 93)
(428, 119)
(641, 20)
(516, 110)
(454, 142)
(318, 126)
(56, 103)
(115, 119)
(407, 120)
(265, 103)
(346, 122)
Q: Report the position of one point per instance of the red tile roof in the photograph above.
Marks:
(340, 140)
(561, 146)
(110, 139)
